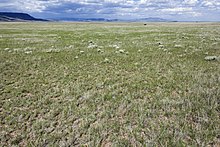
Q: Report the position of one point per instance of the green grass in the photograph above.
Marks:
(109, 84)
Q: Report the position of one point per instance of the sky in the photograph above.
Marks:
(179, 10)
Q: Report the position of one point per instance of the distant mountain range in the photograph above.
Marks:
(16, 17)
(85, 19)
(150, 19)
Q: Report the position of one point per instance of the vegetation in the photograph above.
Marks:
(109, 84)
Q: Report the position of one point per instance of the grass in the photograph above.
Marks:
(109, 84)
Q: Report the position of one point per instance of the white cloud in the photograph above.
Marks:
(211, 3)
(180, 9)
(190, 2)
(32, 6)
(195, 14)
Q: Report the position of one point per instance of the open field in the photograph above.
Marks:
(109, 84)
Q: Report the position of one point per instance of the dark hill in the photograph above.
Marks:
(10, 16)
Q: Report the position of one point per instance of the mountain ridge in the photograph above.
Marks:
(16, 17)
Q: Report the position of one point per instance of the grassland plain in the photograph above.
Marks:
(109, 84)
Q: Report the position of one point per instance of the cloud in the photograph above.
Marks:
(178, 9)
(191, 2)
(116, 8)
(211, 3)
